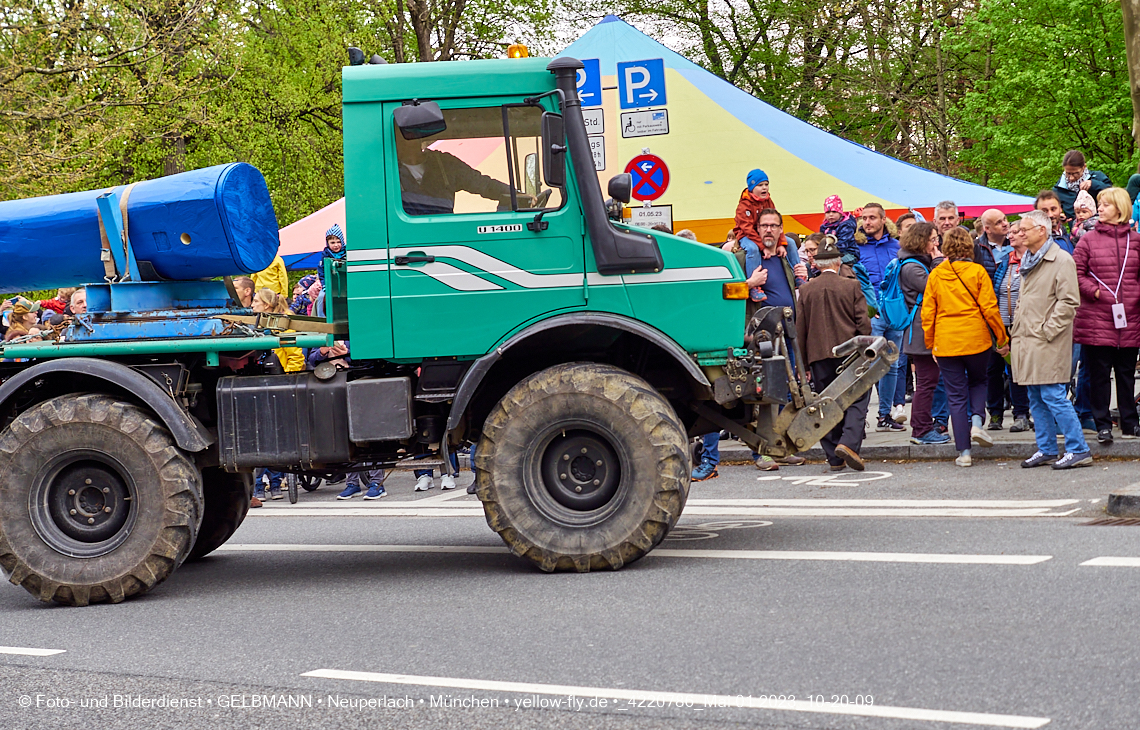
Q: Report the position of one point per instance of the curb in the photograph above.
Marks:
(1125, 502)
(1003, 451)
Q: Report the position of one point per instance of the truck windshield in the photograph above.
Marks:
(468, 168)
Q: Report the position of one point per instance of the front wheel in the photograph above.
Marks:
(97, 502)
(582, 466)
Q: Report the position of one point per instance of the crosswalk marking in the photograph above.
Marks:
(622, 696)
(25, 651)
(1110, 562)
(718, 508)
(859, 557)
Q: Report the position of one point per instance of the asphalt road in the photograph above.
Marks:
(911, 596)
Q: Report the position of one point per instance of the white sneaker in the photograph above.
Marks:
(898, 414)
(447, 482)
(424, 483)
(980, 437)
(964, 460)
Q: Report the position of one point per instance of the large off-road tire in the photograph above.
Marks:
(581, 467)
(227, 504)
(97, 503)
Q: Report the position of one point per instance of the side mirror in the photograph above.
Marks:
(417, 120)
(553, 150)
(620, 187)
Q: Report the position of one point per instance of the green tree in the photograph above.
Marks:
(1058, 80)
(93, 92)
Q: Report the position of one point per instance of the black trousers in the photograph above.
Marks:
(853, 428)
(1102, 363)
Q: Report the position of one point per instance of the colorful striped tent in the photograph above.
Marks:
(717, 133)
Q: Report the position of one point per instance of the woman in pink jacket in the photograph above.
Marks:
(1108, 319)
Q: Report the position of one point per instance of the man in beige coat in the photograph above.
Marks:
(1043, 344)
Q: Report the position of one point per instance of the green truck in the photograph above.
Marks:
(501, 306)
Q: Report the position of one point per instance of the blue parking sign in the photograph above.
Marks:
(641, 83)
(590, 82)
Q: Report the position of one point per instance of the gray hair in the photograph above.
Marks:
(686, 233)
(830, 264)
(947, 205)
(1039, 219)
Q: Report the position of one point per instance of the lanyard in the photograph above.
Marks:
(1115, 294)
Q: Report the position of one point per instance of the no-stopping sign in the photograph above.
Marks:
(650, 176)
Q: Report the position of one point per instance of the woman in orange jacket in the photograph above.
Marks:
(962, 324)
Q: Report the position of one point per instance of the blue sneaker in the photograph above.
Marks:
(349, 492)
(705, 470)
(930, 437)
(375, 491)
(260, 494)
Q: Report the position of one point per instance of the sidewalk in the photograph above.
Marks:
(896, 445)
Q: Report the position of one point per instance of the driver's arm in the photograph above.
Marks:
(463, 177)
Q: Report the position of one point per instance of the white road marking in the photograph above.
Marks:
(947, 558)
(827, 502)
(24, 651)
(858, 557)
(369, 512)
(869, 512)
(445, 497)
(691, 698)
(1109, 562)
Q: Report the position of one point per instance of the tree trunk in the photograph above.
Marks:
(1132, 46)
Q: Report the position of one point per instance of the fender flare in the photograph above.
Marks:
(190, 435)
(475, 374)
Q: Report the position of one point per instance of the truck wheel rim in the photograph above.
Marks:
(83, 504)
(576, 477)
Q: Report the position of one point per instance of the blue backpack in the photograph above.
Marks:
(892, 301)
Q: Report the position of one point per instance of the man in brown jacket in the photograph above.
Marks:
(1042, 344)
(832, 311)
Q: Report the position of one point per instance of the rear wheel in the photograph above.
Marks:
(227, 504)
(98, 503)
(581, 467)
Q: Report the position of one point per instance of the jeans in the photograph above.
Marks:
(887, 383)
(901, 380)
(1101, 364)
(275, 478)
(965, 379)
(710, 443)
(940, 411)
(454, 464)
(1053, 414)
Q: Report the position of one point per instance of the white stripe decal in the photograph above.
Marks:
(367, 254)
(530, 280)
(499, 268)
(451, 276)
(593, 278)
(759, 701)
(699, 273)
(22, 651)
(368, 267)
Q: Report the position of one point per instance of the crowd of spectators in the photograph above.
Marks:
(1038, 316)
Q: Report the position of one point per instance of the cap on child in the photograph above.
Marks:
(1084, 200)
(756, 177)
(832, 204)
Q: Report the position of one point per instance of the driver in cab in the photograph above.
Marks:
(429, 180)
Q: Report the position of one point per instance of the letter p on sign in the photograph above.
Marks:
(641, 83)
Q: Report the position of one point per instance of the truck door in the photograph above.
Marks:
(469, 260)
